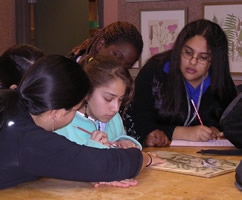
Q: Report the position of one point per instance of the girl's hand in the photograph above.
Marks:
(100, 137)
(125, 144)
(216, 133)
(151, 158)
(157, 138)
(199, 133)
(124, 183)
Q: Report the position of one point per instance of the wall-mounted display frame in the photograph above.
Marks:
(159, 29)
(229, 16)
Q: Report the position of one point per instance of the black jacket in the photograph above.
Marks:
(28, 152)
(231, 122)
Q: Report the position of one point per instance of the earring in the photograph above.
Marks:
(85, 107)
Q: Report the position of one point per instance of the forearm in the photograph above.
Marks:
(181, 133)
(146, 160)
(194, 133)
(67, 160)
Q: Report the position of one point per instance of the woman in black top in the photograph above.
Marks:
(46, 99)
(196, 69)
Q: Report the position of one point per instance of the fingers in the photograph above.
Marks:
(202, 133)
(156, 159)
(124, 183)
(125, 144)
(205, 137)
(221, 134)
(211, 133)
(150, 140)
(100, 137)
(217, 134)
(131, 182)
(157, 138)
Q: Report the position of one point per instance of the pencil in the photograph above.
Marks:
(195, 108)
(91, 134)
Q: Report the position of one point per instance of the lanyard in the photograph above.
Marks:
(187, 122)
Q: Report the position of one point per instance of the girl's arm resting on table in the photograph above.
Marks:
(193, 133)
(148, 160)
(70, 161)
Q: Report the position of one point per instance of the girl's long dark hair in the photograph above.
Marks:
(53, 82)
(222, 85)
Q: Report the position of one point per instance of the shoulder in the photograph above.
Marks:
(234, 108)
(154, 66)
(116, 120)
(70, 130)
(115, 125)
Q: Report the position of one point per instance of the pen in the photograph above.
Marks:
(91, 134)
(198, 116)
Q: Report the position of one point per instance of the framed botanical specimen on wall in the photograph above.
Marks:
(159, 29)
(229, 17)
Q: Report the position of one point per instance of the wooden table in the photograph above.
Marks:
(152, 184)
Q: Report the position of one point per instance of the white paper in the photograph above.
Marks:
(210, 143)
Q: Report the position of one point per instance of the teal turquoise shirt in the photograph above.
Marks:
(114, 129)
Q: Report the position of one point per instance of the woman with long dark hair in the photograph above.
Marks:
(196, 70)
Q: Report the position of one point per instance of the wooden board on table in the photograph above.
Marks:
(194, 165)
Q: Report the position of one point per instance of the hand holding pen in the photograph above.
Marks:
(100, 137)
(215, 134)
(102, 142)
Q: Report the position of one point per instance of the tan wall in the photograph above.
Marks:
(7, 24)
(110, 13)
(130, 11)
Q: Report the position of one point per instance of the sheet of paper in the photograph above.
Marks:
(210, 143)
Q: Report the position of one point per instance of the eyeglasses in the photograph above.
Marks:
(202, 58)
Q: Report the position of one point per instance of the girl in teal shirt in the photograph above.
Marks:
(111, 87)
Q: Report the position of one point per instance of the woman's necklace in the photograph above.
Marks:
(187, 122)
(98, 126)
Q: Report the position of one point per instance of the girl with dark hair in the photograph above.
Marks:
(119, 39)
(15, 61)
(111, 86)
(47, 98)
(196, 69)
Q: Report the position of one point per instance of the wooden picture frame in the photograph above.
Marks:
(229, 16)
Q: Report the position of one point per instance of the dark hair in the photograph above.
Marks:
(53, 82)
(222, 85)
(104, 69)
(15, 61)
(117, 32)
